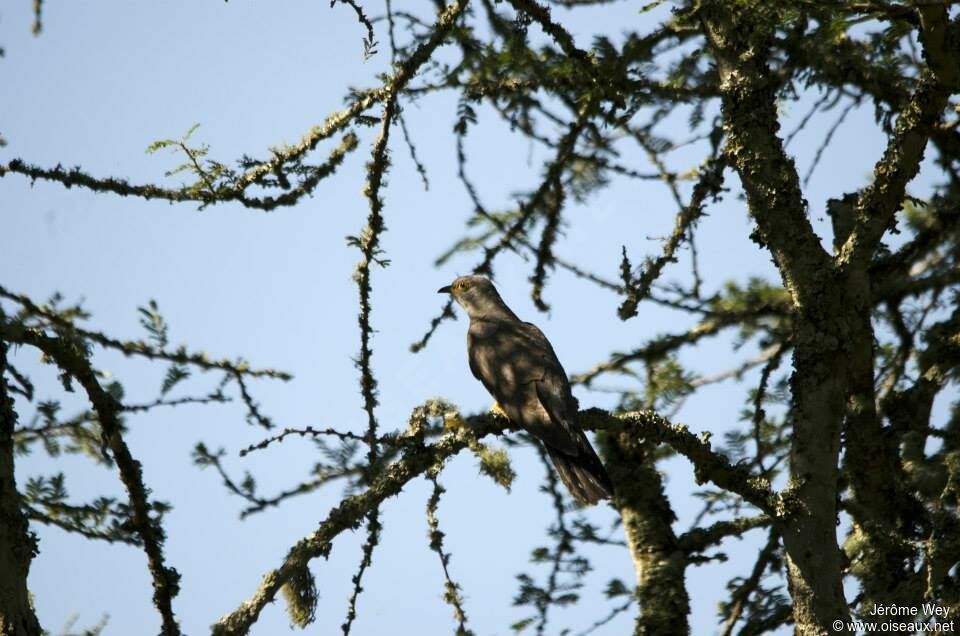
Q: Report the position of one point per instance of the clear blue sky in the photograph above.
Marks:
(106, 79)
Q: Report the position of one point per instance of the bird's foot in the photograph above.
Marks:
(496, 409)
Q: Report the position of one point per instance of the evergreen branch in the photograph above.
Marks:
(373, 539)
(139, 347)
(769, 175)
(421, 170)
(246, 488)
(416, 459)
(561, 36)
(347, 515)
(451, 593)
(304, 488)
(544, 251)
(73, 361)
(75, 527)
(213, 194)
(25, 388)
(698, 540)
(709, 184)
(369, 42)
(148, 406)
(343, 436)
(708, 465)
(254, 416)
(879, 202)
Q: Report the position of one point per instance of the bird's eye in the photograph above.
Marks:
(460, 285)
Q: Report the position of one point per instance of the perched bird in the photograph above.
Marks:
(517, 365)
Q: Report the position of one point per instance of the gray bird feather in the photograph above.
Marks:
(518, 366)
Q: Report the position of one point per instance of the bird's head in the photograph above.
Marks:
(477, 295)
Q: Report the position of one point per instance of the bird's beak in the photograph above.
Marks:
(444, 290)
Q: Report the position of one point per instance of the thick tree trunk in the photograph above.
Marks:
(17, 544)
(658, 561)
(814, 562)
(872, 465)
(741, 42)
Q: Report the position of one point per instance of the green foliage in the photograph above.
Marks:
(340, 458)
(76, 435)
(158, 331)
(615, 588)
(522, 624)
(154, 324)
(212, 177)
(104, 518)
(651, 5)
(918, 214)
(585, 178)
(175, 374)
(166, 143)
(667, 382)
(466, 116)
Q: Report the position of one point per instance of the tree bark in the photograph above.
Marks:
(17, 544)
(741, 44)
(659, 562)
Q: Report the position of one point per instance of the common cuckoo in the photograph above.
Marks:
(517, 365)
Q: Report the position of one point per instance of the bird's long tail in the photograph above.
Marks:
(583, 475)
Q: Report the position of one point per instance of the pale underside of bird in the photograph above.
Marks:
(517, 365)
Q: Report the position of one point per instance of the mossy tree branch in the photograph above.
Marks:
(417, 458)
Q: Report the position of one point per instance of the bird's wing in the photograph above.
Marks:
(517, 365)
(479, 366)
(553, 392)
(549, 370)
(506, 355)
